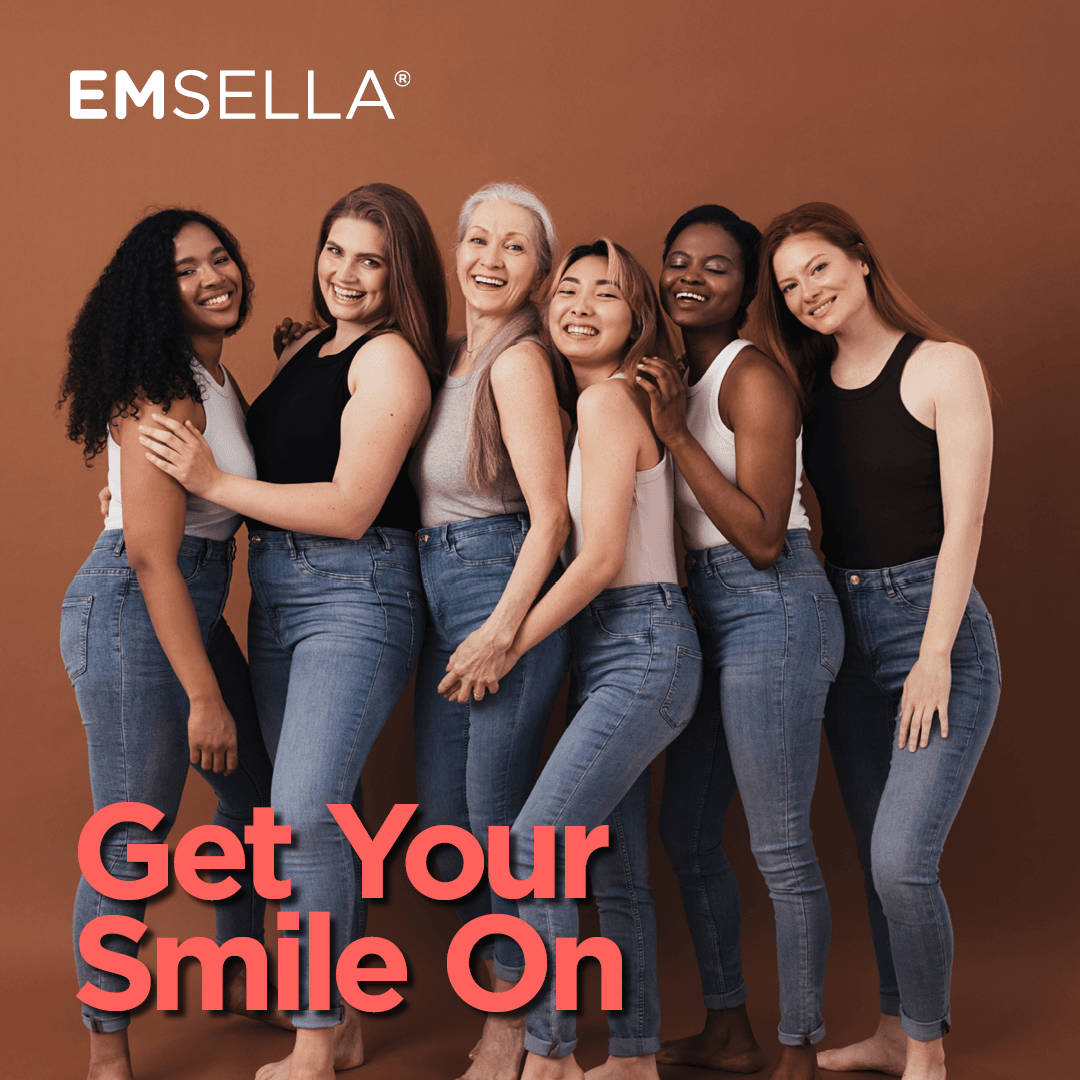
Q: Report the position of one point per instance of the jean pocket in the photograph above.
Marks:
(915, 594)
(486, 548)
(634, 621)
(74, 629)
(738, 576)
(997, 651)
(341, 562)
(682, 695)
(830, 631)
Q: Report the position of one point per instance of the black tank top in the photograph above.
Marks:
(875, 471)
(295, 429)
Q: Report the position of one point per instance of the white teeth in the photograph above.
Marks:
(346, 294)
(821, 307)
(215, 301)
(581, 331)
(690, 296)
(487, 280)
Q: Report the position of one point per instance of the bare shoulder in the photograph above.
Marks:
(523, 359)
(608, 403)
(752, 371)
(294, 347)
(945, 368)
(388, 360)
(180, 410)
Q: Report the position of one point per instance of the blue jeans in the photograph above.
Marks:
(901, 804)
(335, 627)
(476, 763)
(635, 678)
(135, 714)
(773, 641)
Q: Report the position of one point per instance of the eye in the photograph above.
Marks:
(788, 287)
(185, 272)
(223, 260)
(477, 240)
(333, 249)
(678, 264)
(820, 266)
(373, 263)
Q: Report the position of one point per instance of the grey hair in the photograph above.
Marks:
(547, 242)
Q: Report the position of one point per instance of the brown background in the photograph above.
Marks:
(946, 128)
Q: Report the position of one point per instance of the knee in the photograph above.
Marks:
(900, 870)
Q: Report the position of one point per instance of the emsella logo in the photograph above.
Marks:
(232, 86)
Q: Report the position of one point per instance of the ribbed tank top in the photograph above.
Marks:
(650, 545)
(875, 470)
(295, 429)
(227, 438)
(438, 466)
(718, 440)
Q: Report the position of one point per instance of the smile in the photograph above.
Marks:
(691, 296)
(346, 295)
(216, 301)
(480, 280)
(580, 331)
(822, 308)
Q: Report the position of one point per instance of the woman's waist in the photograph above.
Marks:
(379, 536)
(114, 543)
(436, 536)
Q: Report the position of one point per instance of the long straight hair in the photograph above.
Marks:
(649, 334)
(803, 352)
(487, 464)
(418, 303)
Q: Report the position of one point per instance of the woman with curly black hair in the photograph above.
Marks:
(159, 678)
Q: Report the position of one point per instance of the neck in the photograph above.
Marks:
(703, 344)
(865, 336)
(207, 350)
(346, 333)
(598, 371)
(480, 328)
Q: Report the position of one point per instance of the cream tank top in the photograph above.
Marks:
(227, 436)
(704, 423)
(650, 545)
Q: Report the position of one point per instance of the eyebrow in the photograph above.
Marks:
(599, 281)
(811, 260)
(708, 258)
(191, 258)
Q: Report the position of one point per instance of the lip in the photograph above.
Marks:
(486, 281)
(216, 301)
(577, 331)
(353, 294)
(821, 309)
(688, 296)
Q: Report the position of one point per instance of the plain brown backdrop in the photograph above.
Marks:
(947, 129)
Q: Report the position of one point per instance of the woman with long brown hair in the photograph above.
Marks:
(337, 608)
(897, 444)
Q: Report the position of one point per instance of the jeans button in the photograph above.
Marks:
(693, 562)
(855, 579)
(256, 539)
(425, 538)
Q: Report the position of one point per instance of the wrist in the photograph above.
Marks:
(677, 439)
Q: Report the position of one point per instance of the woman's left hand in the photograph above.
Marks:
(477, 666)
(926, 691)
(181, 451)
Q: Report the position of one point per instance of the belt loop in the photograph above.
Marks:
(523, 521)
(788, 553)
(890, 589)
(291, 543)
(118, 550)
(387, 546)
(666, 590)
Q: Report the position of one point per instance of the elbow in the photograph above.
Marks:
(607, 569)
(554, 523)
(762, 552)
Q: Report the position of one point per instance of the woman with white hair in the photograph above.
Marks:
(490, 471)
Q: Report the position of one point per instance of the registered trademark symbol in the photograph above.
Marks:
(402, 78)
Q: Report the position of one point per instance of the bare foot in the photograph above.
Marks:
(885, 1051)
(110, 1058)
(925, 1060)
(642, 1067)
(545, 1068)
(235, 997)
(726, 1043)
(498, 1054)
(796, 1063)
(344, 1050)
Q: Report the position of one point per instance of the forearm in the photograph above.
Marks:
(742, 521)
(321, 508)
(177, 627)
(953, 576)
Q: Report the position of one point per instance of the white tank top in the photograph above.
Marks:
(650, 545)
(227, 436)
(704, 423)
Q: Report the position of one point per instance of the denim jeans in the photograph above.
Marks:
(635, 678)
(773, 641)
(135, 715)
(901, 804)
(335, 626)
(476, 763)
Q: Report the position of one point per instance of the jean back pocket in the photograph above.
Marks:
(74, 629)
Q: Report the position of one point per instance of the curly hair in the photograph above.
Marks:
(129, 340)
(744, 233)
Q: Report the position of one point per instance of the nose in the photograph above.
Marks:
(690, 275)
(211, 275)
(810, 290)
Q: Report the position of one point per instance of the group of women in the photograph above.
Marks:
(408, 496)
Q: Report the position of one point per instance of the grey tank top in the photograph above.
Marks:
(438, 464)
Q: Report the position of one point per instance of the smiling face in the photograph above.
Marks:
(497, 258)
(822, 285)
(353, 272)
(210, 284)
(589, 320)
(703, 277)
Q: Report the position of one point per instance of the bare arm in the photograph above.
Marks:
(390, 401)
(763, 413)
(610, 434)
(154, 514)
(524, 391)
(965, 446)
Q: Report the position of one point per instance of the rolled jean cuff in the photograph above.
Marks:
(633, 1047)
(507, 974)
(323, 1018)
(890, 1005)
(925, 1032)
(815, 1036)
(730, 1000)
(548, 1049)
(107, 1024)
